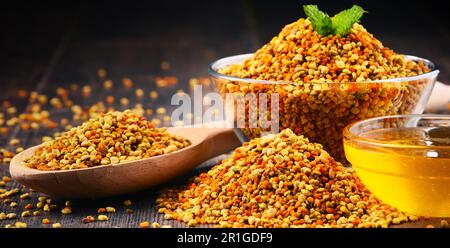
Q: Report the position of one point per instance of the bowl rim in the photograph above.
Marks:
(352, 137)
(213, 71)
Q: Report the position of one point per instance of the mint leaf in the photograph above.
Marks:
(343, 22)
(340, 24)
(320, 21)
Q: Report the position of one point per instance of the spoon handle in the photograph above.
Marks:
(219, 141)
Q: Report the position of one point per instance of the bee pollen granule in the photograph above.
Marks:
(110, 138)
(278, 180)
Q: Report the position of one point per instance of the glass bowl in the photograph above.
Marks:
(320, 111)
(404, 160)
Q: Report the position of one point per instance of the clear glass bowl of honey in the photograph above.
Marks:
(404, 160)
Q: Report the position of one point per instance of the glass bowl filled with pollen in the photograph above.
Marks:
(324, 82)
(404, 160)
(320, 110)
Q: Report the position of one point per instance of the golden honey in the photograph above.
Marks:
(406, 167)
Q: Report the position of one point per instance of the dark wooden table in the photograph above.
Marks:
(48, 46)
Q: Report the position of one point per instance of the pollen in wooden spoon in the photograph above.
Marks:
(110, 138)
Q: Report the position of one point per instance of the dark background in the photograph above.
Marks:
(70, 40)
(44, 45)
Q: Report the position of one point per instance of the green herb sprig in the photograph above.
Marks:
(339, 24)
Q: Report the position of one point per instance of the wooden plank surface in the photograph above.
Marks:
(67, 45)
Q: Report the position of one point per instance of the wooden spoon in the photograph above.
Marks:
(114, 179)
